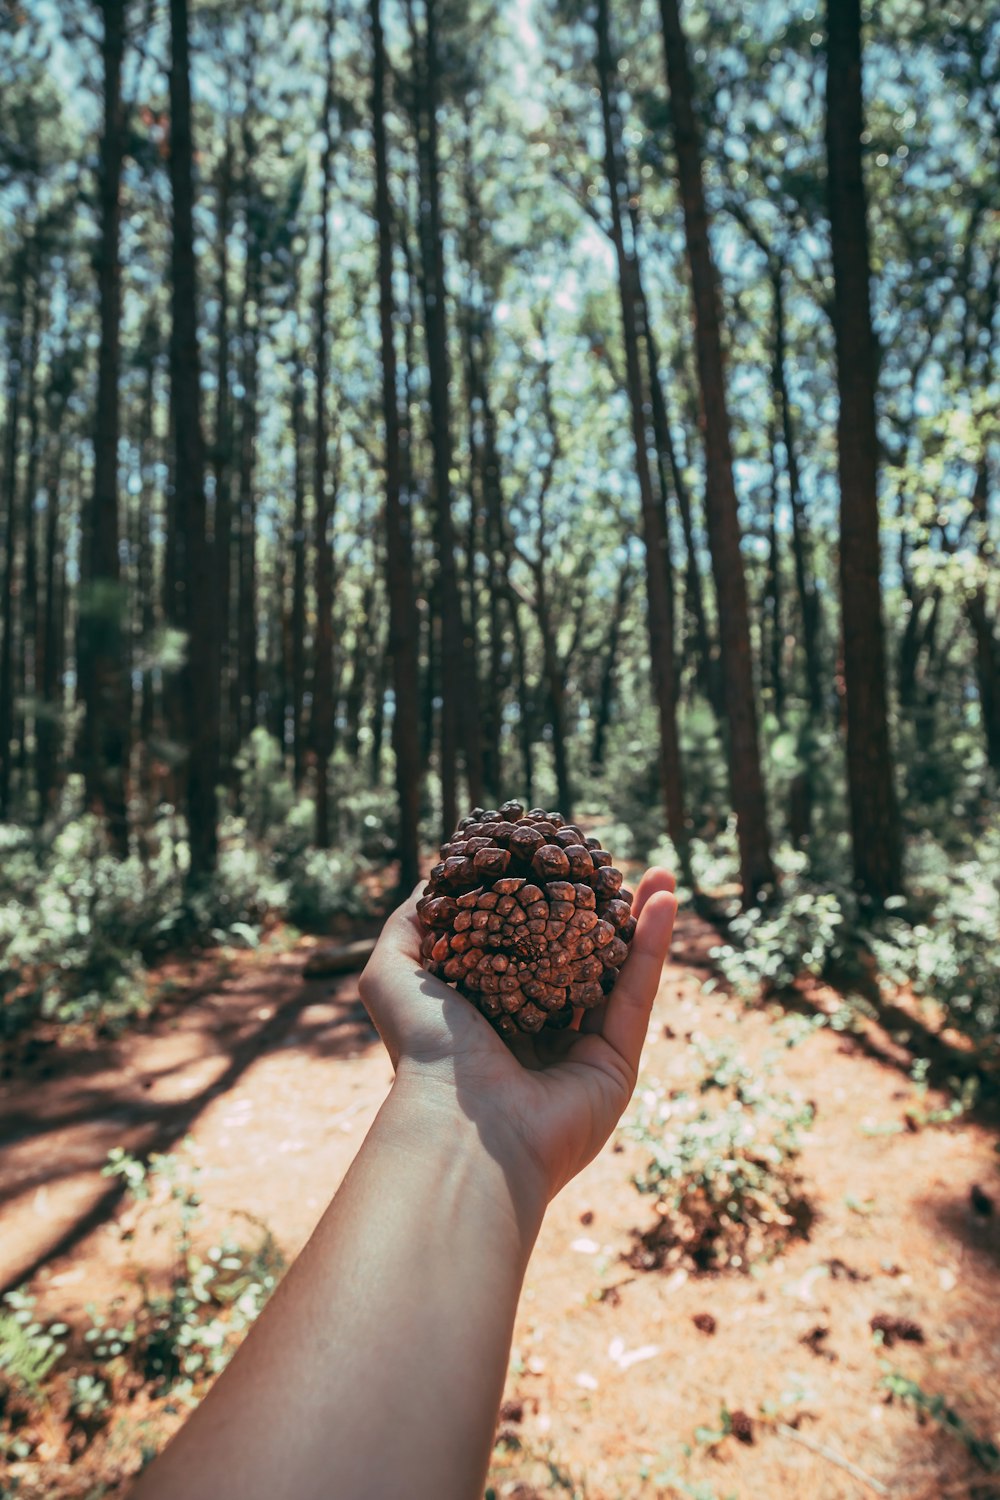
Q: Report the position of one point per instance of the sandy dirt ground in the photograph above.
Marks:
(614, 1389)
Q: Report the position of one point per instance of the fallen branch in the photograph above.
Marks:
(347, 958)
(832, 1456)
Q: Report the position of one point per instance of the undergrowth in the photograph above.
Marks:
(79, 928)
(167, 1341)
(721, 1166)
(941, 942)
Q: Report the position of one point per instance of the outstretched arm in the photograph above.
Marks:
(378, 1366)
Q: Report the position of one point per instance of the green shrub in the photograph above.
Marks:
(191, 1331)
(946, 944)
(723, 1174)
(28, 1349)
(78, 927)
(811, 930)
(942, 941)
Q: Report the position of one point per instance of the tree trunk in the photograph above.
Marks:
(609, 669)
(8, 553)
(772, 624)
(660, 621)
(247, 687)
(875, 828)
(146, 588)
(403, 629)
(526, 718)
(756, 869)
(49, 664)
(357, 685)
(805, 583)
(196, 573)
(984, 629)
(102, 606)
(222, 529)
(475, 312)
(298, 623)
(694, 602)
(29, 592)
(498, 555)
(453, 674)
(322, 723)
(554, 675)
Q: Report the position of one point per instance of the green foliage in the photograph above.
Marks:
(949, 949)
(174, 1339)
(942, 942)
(902, 1388)
(78, 927)
(89, 1398)
(723, 1175)
(964, 1096)
(806, 934)
(178, 1337)
(28, 1349)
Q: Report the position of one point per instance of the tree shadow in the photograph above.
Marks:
(892, 1034)
(968, 1223)
(278, 1001)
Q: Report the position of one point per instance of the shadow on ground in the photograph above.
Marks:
(67, 1107)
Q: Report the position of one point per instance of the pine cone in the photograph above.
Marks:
(526, 917)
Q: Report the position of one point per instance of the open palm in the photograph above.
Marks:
(549, 1100)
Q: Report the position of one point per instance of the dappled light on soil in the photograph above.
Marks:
(621, 1378)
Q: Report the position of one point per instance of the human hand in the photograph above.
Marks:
(544, 1105)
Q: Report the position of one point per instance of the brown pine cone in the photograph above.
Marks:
(526, 917)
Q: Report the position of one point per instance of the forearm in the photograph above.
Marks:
(378, 1368)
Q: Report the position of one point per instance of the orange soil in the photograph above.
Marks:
(275, 1081)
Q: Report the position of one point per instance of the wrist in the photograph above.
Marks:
(472, 1141)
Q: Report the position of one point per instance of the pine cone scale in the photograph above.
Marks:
(526, 916)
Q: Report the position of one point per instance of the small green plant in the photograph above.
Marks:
(89, 1399)
(191, 1330)
(80, 927)
(724, 1179)
(28, 1349)
(964, 1097)
(940, 943)
(902, 1388)
(809, 932)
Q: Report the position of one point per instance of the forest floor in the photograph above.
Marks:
(614, 1389)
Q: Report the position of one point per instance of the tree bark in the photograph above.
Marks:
(773, 636)
(322, 723)
(609, 669)
(298, 622)
(102, 606)
(660, 621)
(984, 629)
(453, 636)
(196, 572)
(875, 830)
(805, 583)
(222, 529)
(49, 662)
(694, 601)
(16, 358)
(247, 673)
(756, 869)
(498, 557)
(403, 628)
(29, 591)
(356, 687)
(146, 575)
(525, 702)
